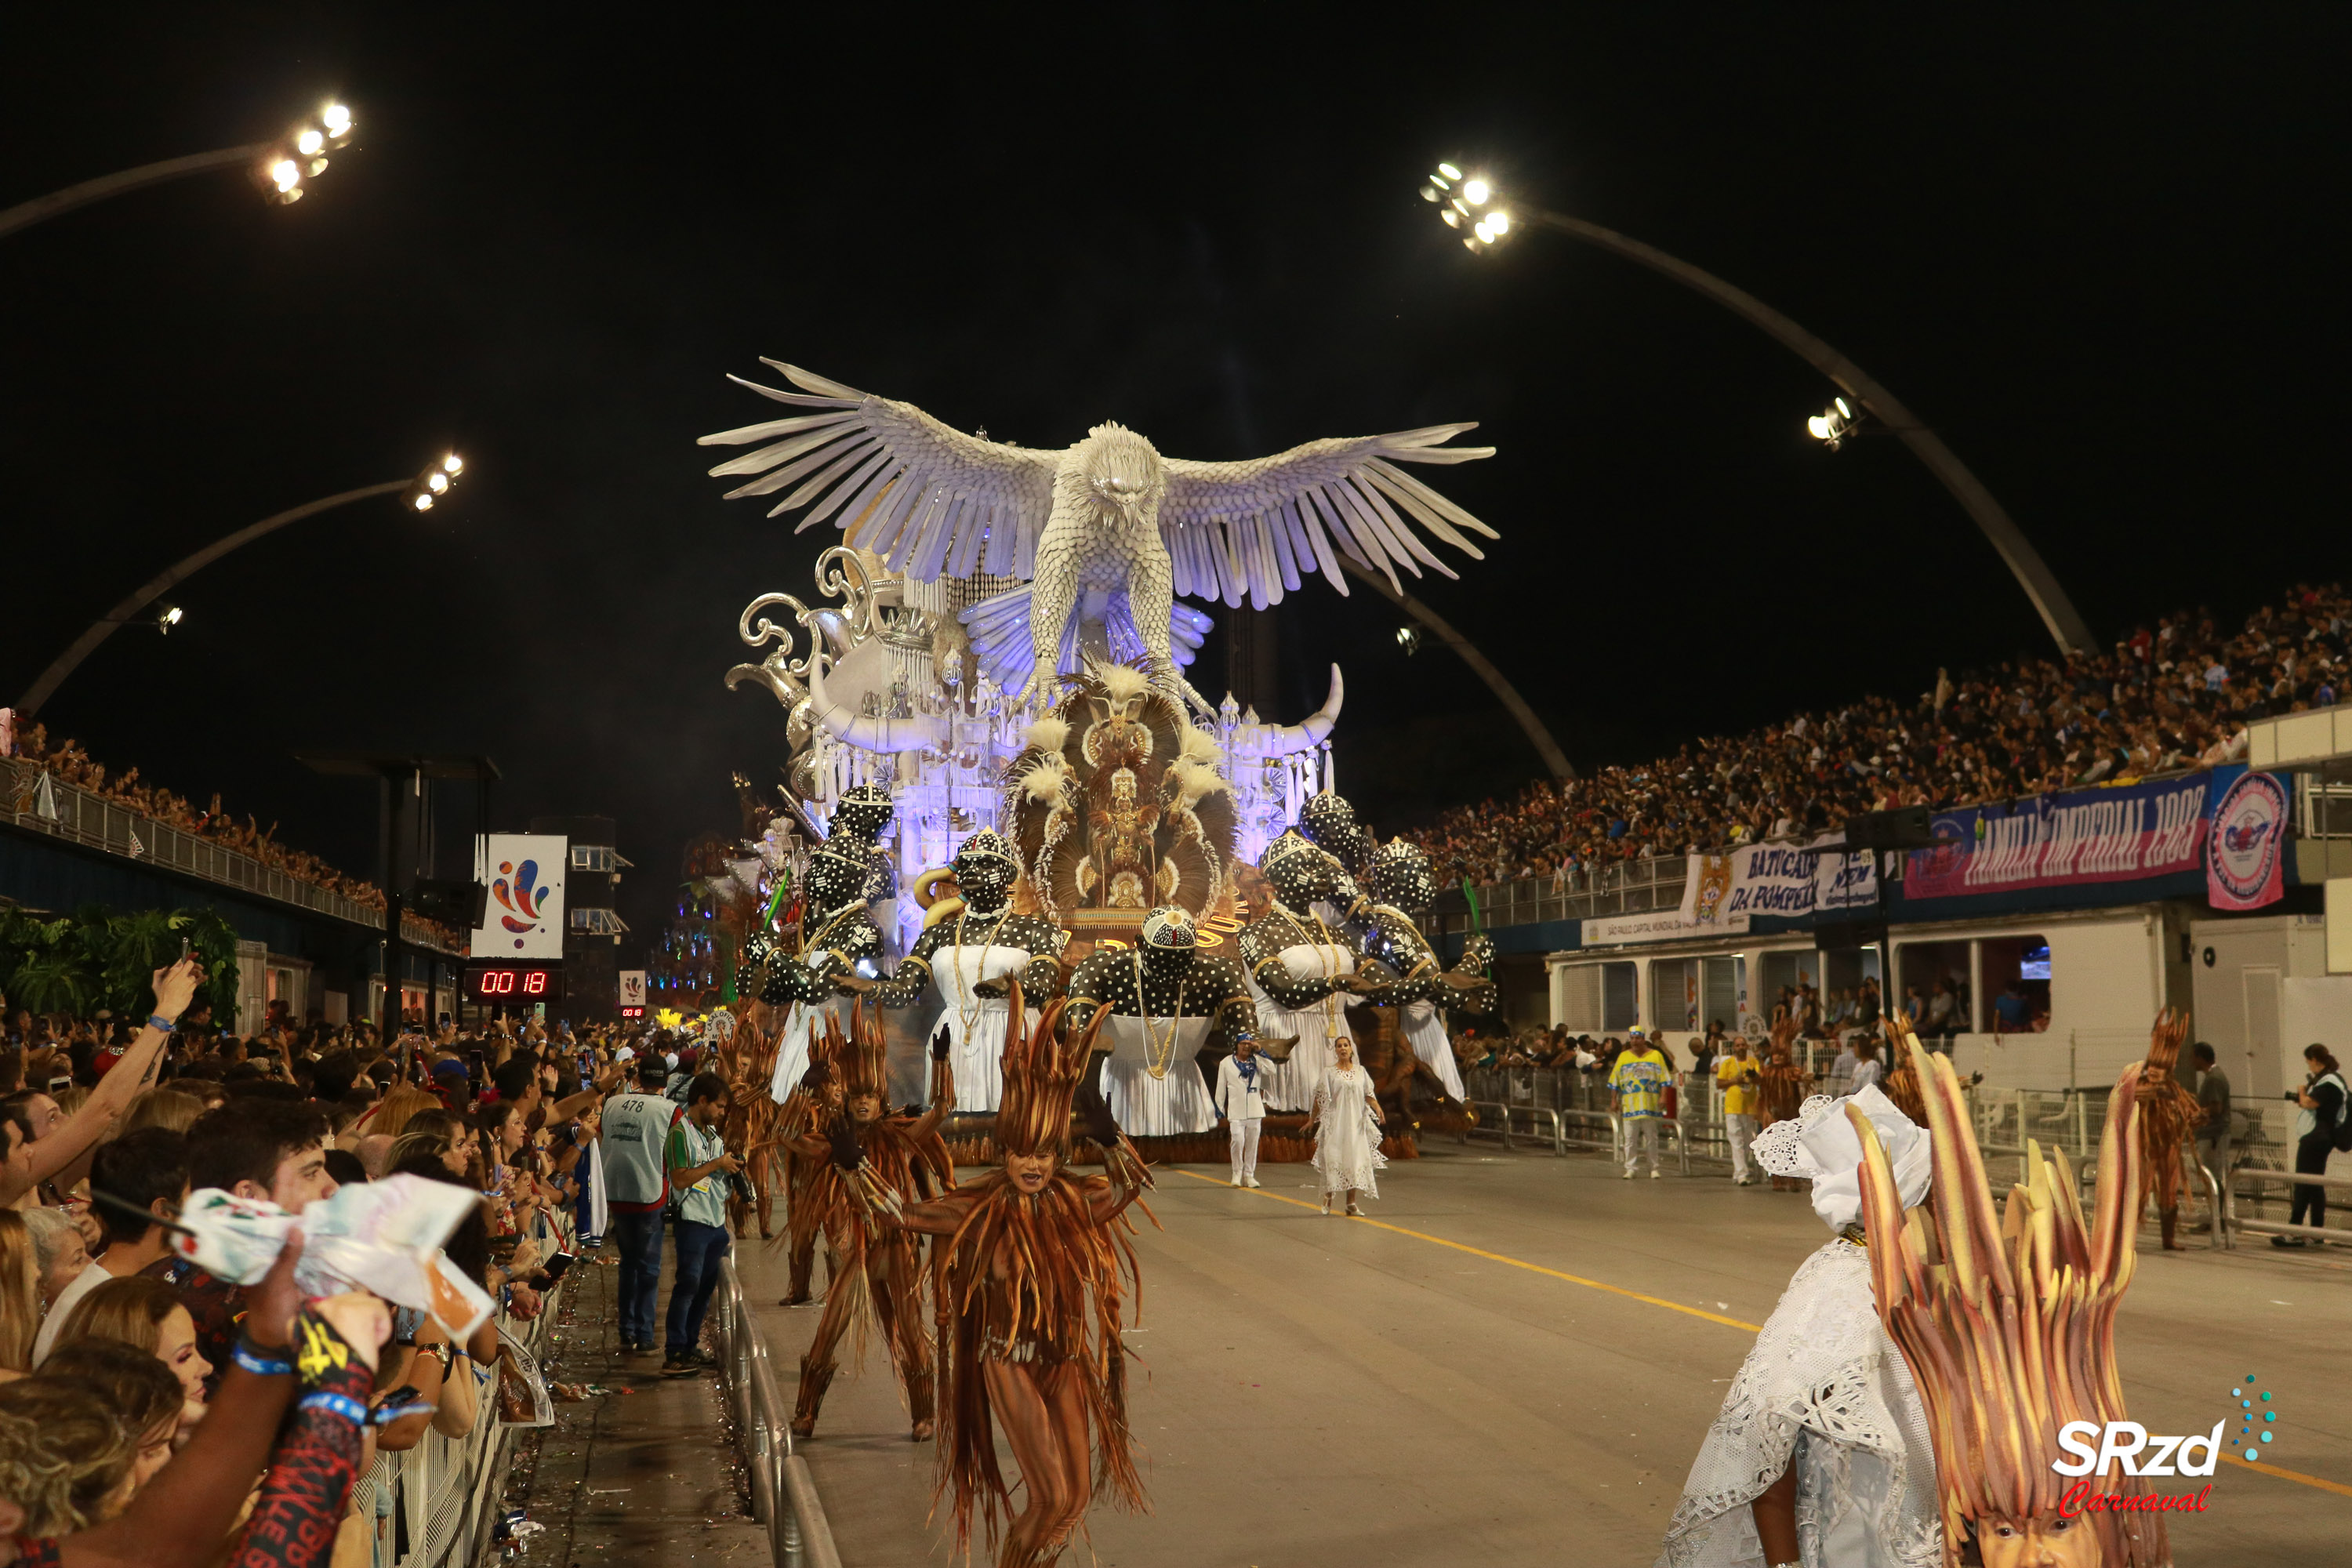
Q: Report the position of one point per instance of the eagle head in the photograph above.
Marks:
(1122, 472)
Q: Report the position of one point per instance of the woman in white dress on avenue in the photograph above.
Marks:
(1346, 1117)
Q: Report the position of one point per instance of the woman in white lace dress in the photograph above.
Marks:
(1820, 1456)
(1346, 1116)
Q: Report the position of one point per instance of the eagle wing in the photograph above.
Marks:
(1252, 530)
(925, 497)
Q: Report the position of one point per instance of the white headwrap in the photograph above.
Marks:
(1821, 1143)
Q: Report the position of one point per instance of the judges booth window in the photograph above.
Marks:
(2017, 979)
(1719, 999)
(1673, 993)
(1620, 996)
(1580, 998)
(1787, 975)
(1933, 982)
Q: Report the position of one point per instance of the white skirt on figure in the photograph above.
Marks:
(976, 1024)
(1347, 1142)
(802, 1024)
(1175, 1099)
(1826, 1391)
(1290, 1086)
(1425, 1031)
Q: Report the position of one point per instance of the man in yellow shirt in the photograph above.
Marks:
(1736, 1074)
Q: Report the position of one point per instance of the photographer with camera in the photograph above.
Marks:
(698, 1160)
(2322, 1129)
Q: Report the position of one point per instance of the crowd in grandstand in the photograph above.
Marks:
(142, 1400)
(2174, 696)
(68, 763)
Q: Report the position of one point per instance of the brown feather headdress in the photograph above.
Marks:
(2007, 1324)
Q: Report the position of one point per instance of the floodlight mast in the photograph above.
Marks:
(1473, 202)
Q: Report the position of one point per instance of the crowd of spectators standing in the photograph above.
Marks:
(152, 1414)
(2173, 696)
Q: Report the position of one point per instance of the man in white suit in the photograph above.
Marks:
(1243, 1105)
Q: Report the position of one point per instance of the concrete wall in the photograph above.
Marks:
(2239, 969)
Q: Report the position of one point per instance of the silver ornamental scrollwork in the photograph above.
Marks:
(840, 573)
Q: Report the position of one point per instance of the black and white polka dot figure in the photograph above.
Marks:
(970, 956)
(1163, 996)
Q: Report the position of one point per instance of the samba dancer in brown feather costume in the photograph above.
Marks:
(1035, 1269)
(2167, 1112)
(898, 1160)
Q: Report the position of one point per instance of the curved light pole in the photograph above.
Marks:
(1472, 204)
(1538, 735)
(421, 491)
(278, 167)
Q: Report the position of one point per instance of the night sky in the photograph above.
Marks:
(2102, 253)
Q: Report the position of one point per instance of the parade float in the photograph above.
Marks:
(997, 655)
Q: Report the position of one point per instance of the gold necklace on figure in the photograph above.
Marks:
(1159, 1054)
(968, 1017)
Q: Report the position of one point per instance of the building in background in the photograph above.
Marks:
(593, 929)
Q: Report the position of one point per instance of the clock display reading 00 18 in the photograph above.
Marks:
(494, 983)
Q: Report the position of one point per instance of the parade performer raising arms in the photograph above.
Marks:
(1035, 1270)
(1820, 1456)
(972, 948)
(898, 1160)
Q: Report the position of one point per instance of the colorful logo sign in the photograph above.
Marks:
(2246, 853)
(518, 890)
(523, 916)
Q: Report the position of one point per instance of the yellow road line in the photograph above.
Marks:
(2269, 1469)
(2266, 1469)
(1499, 1257)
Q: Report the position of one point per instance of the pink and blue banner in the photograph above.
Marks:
(2143, 840)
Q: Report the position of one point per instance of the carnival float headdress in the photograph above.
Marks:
(2008, 1322)
(1169, 928)
(1400, 877)
(865, 810)
(1041, 1074)
(862, 1058)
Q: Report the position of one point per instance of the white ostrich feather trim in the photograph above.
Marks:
(1197, 746)
(1121, 681)
(1043, 783)
(1047, 734)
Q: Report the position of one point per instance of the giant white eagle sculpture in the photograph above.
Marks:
(1107, 524)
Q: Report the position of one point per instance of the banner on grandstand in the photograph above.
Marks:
(1784, 880)
(1658, 925)
(2246, 854)
(2132, 833)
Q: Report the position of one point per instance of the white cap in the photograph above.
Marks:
(624, 1054)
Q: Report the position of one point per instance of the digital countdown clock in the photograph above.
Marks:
(515, 984)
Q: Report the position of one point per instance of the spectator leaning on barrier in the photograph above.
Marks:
(699, 1162)
(634, 1143)
(1735, 1073)
(1640, 1078)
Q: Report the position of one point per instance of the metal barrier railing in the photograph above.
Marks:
(784, 1493)
(443, 1496)
(2279, 1226)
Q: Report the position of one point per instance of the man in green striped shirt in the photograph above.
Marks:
(699, 1166)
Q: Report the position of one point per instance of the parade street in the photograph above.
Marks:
(1513, 1328)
